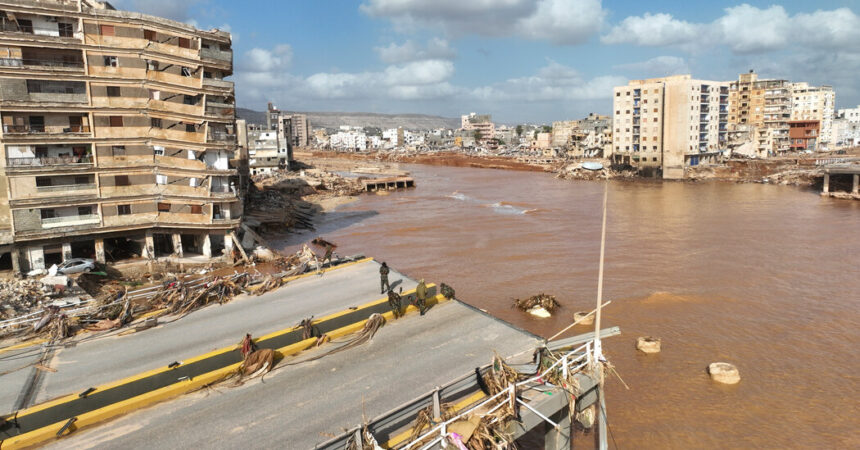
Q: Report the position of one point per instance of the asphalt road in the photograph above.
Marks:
(112, 358)
(298, 406)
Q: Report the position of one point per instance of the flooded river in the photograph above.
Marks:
(764, 277)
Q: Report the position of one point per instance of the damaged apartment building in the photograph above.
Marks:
(118, 135)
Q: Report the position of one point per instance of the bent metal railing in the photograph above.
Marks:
(571, 362)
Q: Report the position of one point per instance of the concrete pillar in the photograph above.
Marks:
(558, 439)
(826, 183)
(36, 257)
(16, 260)
(856, 186)
(228, 244)
(100, 251)
(177, 244)
(207, 246)
(149, 246)
(67, 251)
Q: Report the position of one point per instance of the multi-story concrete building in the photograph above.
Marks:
(814, 103)
(804, 134)
(264, 152)
(481, 125)
(849, 114)
(764, 105)
(118, 134)
(662, 125)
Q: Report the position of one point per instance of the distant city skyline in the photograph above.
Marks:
(521, 61)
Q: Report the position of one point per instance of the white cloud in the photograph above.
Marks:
(263, 60)
(657, 66)
(436, 48)
(563, 21)
(553, 82)
(558, 21)
(651, 29)
(744, 29)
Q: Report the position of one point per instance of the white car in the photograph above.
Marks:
(76, 265)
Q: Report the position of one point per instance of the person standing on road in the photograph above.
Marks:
(421, 296)
(383, 278)
(394, 302)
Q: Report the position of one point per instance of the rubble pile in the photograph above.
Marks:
(281, 201)
(545, 301)
(19, 297)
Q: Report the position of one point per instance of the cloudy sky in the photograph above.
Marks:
(520, 60)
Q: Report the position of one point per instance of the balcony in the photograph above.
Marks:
(216, 83)
(42, 63)
(48, 161)
(70, 221)
(41, 129)
(66, 187)
(222, 137)
(223, 191)
(217, 54)
(224, 110)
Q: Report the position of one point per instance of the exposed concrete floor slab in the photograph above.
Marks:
(301, 405)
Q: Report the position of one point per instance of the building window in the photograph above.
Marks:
(43, 181)
(48, 213)
(188, 100)
(85, 210)
(186, 72)
(190, 128)
(196, 209)
(149, 35)
(161, 179)
(111, 61)
(106, 30)
(113, 91)
(121, 180)
(82, 179)
(618, 94)
(123, 210)
(151, 65)
(66, 29)
(184, 43)
(116, 121)
(118, 150)
(158, 150)
(164, 207)
(155, 122)
(25, 25)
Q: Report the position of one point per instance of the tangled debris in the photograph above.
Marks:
(19, 297)
(547, 302)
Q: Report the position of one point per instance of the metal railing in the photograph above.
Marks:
(21, 62)
(571, 362)
(221, 136)
(48, 161)
(34, 129)
(66, 187)
(216, 53)
(222, 189)
(64, 219)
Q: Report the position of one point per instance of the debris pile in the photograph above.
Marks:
(547, 302)
(19, 297)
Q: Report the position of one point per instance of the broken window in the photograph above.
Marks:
(113, 91)
(118, 150)
(111, 61)
(123, 210)
(106, 30)
(186, 72)
(66, 29)
(121, 180)
(116, 121)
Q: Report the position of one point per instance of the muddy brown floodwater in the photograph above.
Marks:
(764, 277)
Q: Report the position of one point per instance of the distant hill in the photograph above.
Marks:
(360, 119)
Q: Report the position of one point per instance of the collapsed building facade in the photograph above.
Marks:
(118, 135)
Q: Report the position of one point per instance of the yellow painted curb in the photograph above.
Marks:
(25, 344)
(123, 407)
(400, 438)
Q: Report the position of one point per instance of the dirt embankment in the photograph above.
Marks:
(437, 159)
